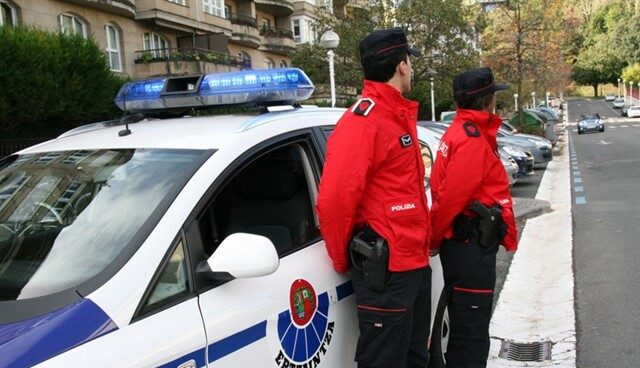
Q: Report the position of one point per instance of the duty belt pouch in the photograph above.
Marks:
(371, 256)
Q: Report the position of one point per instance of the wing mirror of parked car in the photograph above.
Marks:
(241, 255)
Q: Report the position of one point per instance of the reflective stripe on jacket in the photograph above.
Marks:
(374, 174)
(468, 168)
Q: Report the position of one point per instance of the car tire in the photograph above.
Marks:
(440, 334)
(579, 131)
(601, 129)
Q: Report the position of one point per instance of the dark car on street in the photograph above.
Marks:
(590, 122)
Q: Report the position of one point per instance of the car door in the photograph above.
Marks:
(302, 312)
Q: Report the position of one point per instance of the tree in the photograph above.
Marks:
(609, 40)
(632, 74)
(522, 43)
(440, 29)
(52, 82)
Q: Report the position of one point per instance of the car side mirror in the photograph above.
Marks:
(241, 255)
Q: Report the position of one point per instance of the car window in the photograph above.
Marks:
(66, 216)
(171, 284)
(273, 196)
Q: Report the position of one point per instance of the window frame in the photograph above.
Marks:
(154, 48)
(178, 2)
(141, 311)
(75, 20)
(13, 13)
(297, 38)
(269, 63)
(312, 147)
(110, 50)
(214, 7)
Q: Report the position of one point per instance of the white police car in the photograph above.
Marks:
(184, 242)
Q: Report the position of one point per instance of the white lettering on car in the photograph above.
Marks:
(504, 201)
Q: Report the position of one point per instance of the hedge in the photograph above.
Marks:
(52, 82)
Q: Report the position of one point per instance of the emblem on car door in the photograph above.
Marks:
(304, 331)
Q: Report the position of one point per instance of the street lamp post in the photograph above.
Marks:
(330, 41)
(619, 87)
(546, 98)
(515, 100)
(631, 92)
(433, 103)
(533, 99)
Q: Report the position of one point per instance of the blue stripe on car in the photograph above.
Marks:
(344, 290)
(237, 341)
(27, 343)
(197, 356)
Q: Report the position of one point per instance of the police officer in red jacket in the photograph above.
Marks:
(372, 187)
(472, 213)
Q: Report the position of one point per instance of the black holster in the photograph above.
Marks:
(370, 254)
(487, 227)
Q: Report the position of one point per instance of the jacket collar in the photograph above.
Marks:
(487, 122)
(391, 98)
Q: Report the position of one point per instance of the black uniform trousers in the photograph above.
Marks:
(394, 323)
(470, 277)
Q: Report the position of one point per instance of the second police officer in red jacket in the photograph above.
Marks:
(372, 187)
(472, 213)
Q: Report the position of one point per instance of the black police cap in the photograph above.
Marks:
(475, 83)
(384, 42)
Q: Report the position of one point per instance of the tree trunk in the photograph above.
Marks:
(595, 90)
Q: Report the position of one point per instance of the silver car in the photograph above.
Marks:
(590, 122)
(540, 148)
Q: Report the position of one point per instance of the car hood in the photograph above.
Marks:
(29, 342)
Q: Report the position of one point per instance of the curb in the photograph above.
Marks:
(527, 208)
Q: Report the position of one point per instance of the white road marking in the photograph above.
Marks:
(612, 126)
(605, 143)
(536, 302)
(636, 125)
(624, 126)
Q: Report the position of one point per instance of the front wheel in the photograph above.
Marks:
(601, 129)
(440, 333)
(579, 131)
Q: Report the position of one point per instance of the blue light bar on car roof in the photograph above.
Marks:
(265, 86)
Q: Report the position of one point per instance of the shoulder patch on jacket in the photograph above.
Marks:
(471, 129)
(363, 107)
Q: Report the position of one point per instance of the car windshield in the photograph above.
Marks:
(65, 216)
(590, 117)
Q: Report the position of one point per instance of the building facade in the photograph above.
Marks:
(143, 38)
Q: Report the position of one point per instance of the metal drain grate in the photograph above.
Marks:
(526, 352)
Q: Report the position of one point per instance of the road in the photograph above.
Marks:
(605, 172)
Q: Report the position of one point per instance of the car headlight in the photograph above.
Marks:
(515, 152)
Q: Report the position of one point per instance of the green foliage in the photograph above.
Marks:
(52, 82)
(610, 41)
(440, 29)
(632, 74)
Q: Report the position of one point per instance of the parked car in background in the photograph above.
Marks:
(510, 167)
(590, 122)
(618, 103)
(539, 147)
(610, 97)
(524, 159)
(633, 111)
(624, 110)
(507, 127)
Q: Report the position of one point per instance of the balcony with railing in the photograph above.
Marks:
(275, 7)
(122, 7)
(183, 61)
(278, 40)
(244, 30)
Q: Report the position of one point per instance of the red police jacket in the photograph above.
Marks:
(468, 168)
(374, 174)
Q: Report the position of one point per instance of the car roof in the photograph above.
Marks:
(202, 132)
